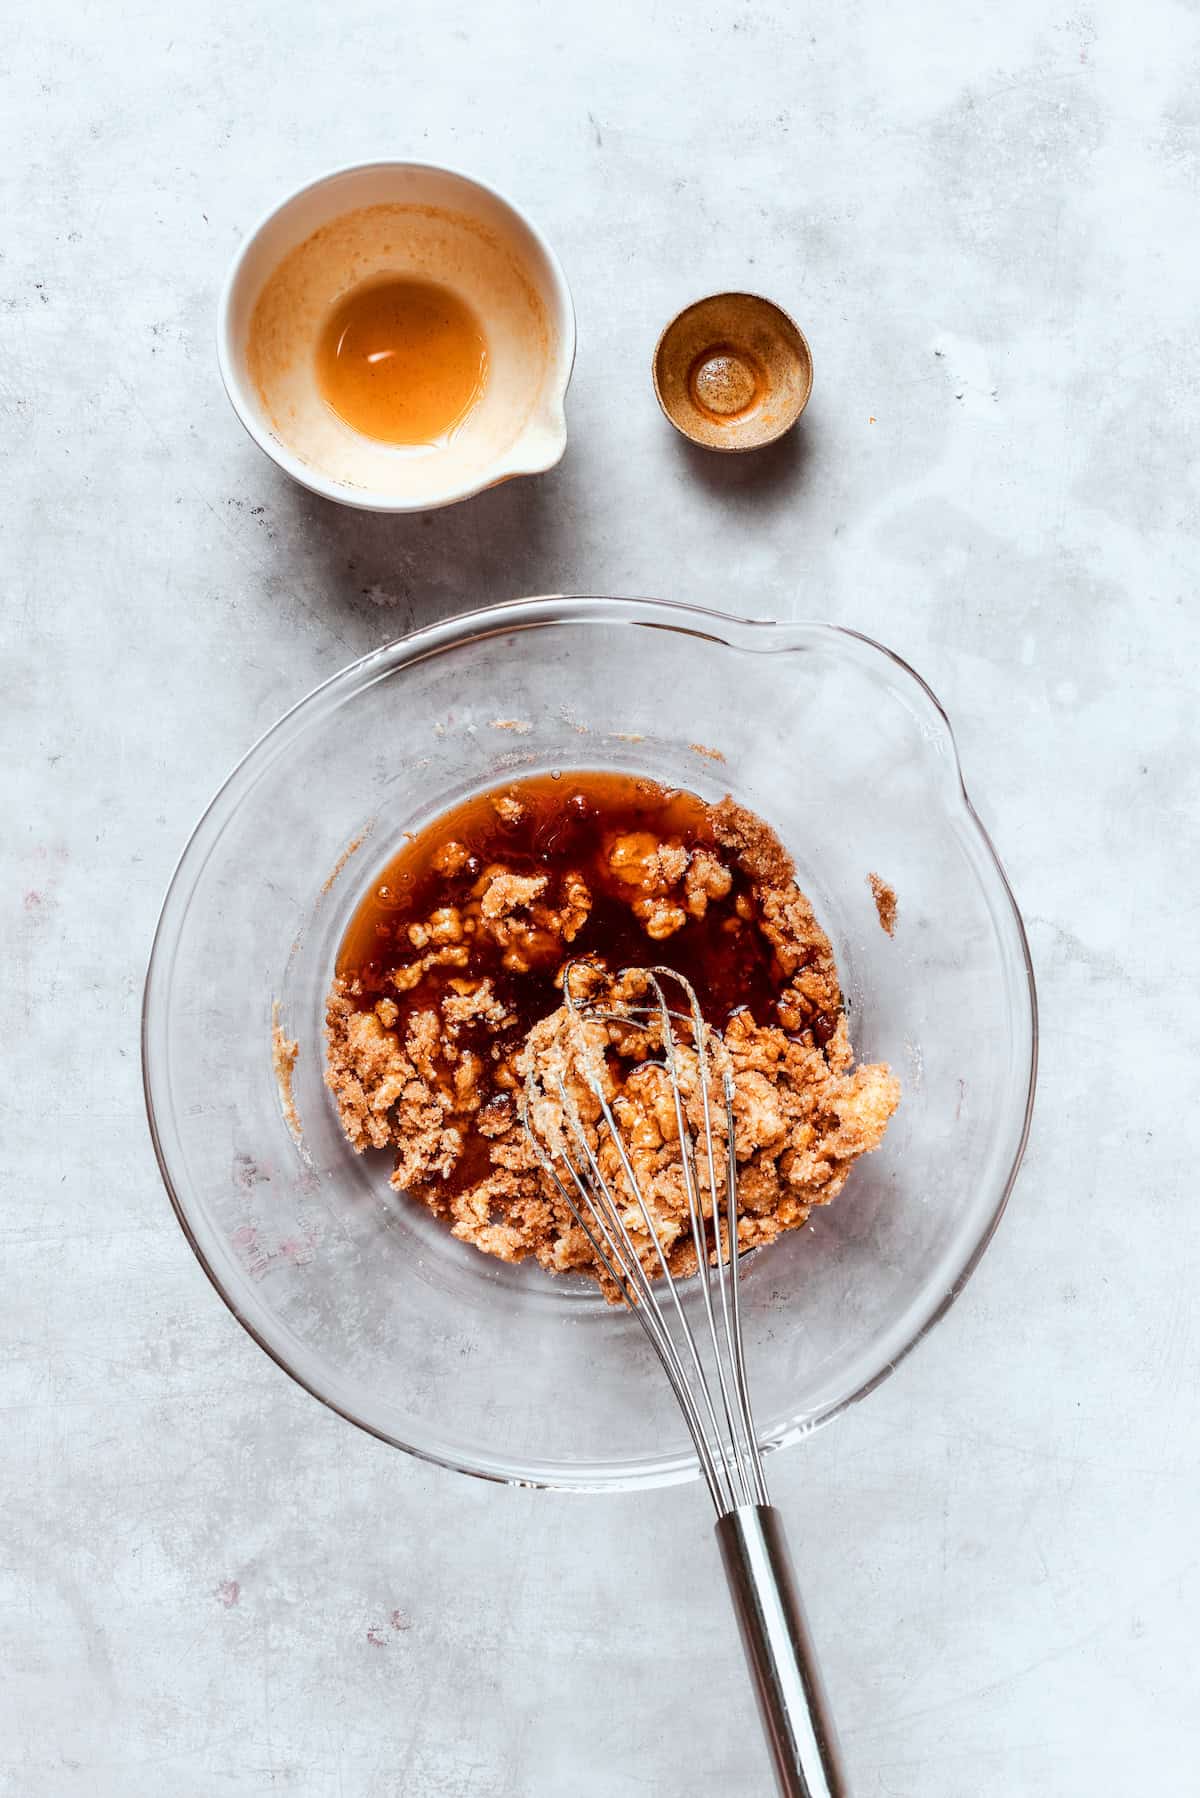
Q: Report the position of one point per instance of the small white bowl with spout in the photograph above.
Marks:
(397, 219)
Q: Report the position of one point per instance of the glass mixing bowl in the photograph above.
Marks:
(364, 1297)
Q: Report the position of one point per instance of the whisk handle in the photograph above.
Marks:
(779, 1651)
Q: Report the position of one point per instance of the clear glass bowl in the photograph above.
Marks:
(362, 1296)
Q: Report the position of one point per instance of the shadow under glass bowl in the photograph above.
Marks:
(364, 1297)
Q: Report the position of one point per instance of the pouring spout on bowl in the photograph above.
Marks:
(540, 446)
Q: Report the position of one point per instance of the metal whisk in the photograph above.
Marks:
(775, 1635)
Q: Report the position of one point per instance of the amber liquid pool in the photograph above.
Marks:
(567, 824)
(403, 361)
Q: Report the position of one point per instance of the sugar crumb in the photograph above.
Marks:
(886, 903)
(284, 1051)
(355, 844)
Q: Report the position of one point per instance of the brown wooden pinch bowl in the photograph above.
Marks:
(733, 372)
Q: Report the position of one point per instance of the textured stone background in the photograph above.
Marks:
(985, 217)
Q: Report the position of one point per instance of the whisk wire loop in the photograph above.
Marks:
(735, 1468)
(721, 1428)
(620, 1263)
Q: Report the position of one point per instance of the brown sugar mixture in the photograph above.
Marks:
(448, 998)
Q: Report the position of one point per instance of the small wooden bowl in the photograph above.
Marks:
(733, 372)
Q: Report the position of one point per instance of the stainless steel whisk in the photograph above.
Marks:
(779, 1649)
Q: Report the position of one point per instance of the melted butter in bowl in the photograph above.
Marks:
(402, 354)
(402, 361)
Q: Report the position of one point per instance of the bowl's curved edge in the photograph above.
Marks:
(528, 613)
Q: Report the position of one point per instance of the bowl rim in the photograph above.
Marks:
(730, 630)
(304, 473)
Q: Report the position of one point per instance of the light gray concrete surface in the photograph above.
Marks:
(985, 217)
